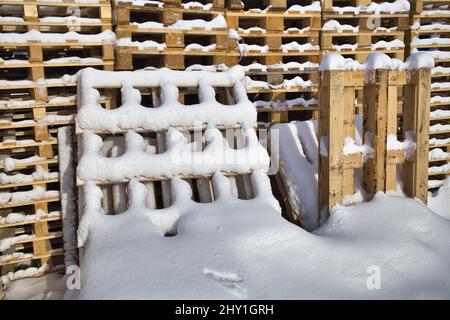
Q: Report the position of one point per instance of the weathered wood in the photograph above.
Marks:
(416, 118)
(331, 140)
(380, 121)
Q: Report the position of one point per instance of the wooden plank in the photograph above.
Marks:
(375, 123)
(416, 118)
(331, 139)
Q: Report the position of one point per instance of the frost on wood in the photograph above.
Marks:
(131, 114)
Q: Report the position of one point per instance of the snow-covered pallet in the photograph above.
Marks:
(365, 6)
(357, 28)
(128, 11)
(282, 90)
(55, 16)
(271, 36)
(38, 71)
(358, 45)
(419, 6)
(430, 32)
(156, 150)
(350, 171)
(161, 38)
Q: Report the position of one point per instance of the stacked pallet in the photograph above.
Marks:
(169, 33)
(43, 45)
(430, 31)
(356, 28)
(278, 43)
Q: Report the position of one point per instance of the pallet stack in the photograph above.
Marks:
(43, 45)
(354, 31)
(169, 33)
(278, 42)
(430, 31)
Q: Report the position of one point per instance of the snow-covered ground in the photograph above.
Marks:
(251, 252)
(244, 249)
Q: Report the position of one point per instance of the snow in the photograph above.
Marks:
(297, 30)
(253, 29)
(39, 174)
(218, 22)
(199, 47)
(34, 35)
(438, 201)
(408, 145)
(432, 26)
(248, 243)
(440, 85)
(335, 25)
(295, 46)
(439, 99)
(346, 46)
(177, 160)
(245, 48)
(197, 5)
(334, 61)
(21, 274)
(315, 6)
(350, 147)
(376, 61)
(144, 45)
(439, 141)
(435, 12)
(388, 45)
(436, 54)
(48, 287)
(11, 163)
(170, 113)
(439, 113)
(11, 19)
(7, 243)
(73, 60)
(69, 20)
(440, 70)
(430, 41)
(439, 169)
(38, 193)
(158, 4)
(398, 6)
(289, 104)
(438, 154)
(439, 127)
(13, 218)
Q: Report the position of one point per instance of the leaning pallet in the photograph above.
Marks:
(430, 32)
(39, 65)
(174, 36)
(194, 141)
(279, 48)
(55, 16)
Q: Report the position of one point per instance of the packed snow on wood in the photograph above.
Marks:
(243, 249)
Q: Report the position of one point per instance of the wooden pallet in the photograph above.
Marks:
(421, 22)
(418, 6)
(283, 106)
(362, 42)
(129, 58)
(125, 12)
(272, 20)
(34, 15)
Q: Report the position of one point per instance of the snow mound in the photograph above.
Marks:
(244, 249)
